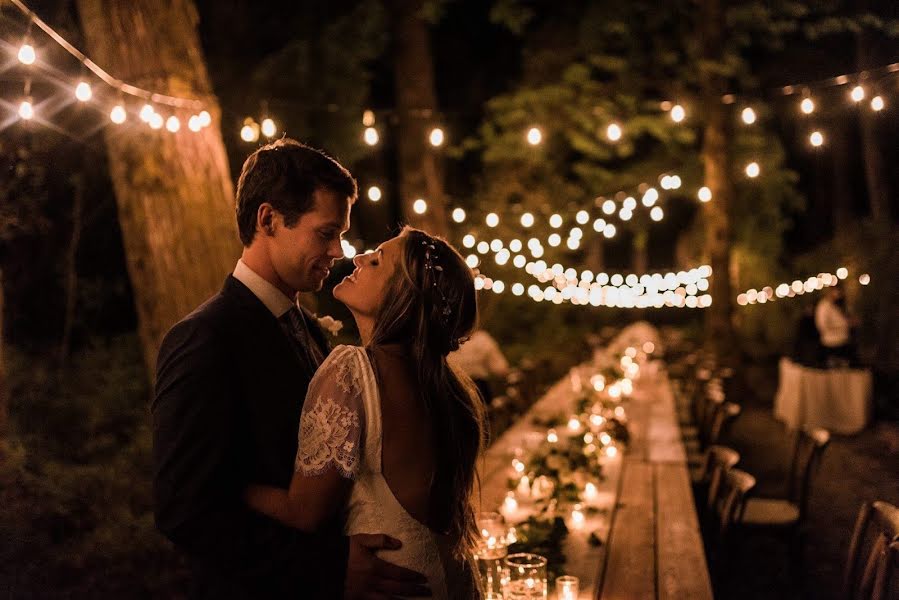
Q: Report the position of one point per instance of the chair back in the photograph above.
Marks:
(725, 412)
(718, 460)
(872, 567)
(730, 502)
(810, 445)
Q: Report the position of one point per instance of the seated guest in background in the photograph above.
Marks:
(481, 358)
(807, 345)
(835, 328)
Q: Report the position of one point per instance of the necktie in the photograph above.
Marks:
(306, 348)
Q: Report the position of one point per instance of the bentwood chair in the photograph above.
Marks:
(872, 567)
(728, 507)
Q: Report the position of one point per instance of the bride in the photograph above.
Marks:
(389, 433)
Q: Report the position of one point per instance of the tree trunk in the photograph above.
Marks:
(595, 254)
(878, 192)
(717, 159)
(421, 171)
(71, 282)
(839, 189)
(174, 192)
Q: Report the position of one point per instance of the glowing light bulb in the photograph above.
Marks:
(609, 230)
(368, 118)
(268, 128)
(554, 240)
(436, 137)
(371, 136)
(555, 221)
(247, 133)
(613, 132)
(458, 215)
(83, 91)
(864, 279)
(807, 106)
(472, 261)
(146, 113)
(842, 272)
(492, 220)
(27, 55)
(753, 170)
(816, 138)
(26, 110)
(527, 219)
(877, 103)
(156, 122)
(117, 114)
(374, 193)
(420, 206)
(552, 437)
(205, 118)
(857, 94)
(582, 217)
(534, 136)
(173, 124)
(748, 116)
(517, 289)
(678, 113)
(608, 207)
(704, 194)
(656, 214)
(349, 251)
(650, 197)
(193, 123)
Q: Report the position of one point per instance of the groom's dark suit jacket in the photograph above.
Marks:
(229, 392)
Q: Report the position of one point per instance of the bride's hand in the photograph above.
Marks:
(370, 578)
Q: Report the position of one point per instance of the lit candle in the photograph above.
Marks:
(590, 492)
(517, 465)
(577, 517)
(510, 505)
(598, 420)
(552, 437)
(524, 487)
(567, 587)
(605, 439)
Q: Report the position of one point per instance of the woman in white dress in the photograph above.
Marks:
(390, 433)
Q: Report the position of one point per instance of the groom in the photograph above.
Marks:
(230, 384)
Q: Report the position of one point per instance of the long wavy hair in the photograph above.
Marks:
(430, 307)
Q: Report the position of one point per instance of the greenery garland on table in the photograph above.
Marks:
(545, 536)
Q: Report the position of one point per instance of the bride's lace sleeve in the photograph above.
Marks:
(331, 426)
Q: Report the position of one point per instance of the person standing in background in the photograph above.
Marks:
(835, 328)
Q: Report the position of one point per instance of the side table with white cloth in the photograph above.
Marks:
(838, 400)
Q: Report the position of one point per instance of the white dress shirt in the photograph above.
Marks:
(274, 299)
(832, 324)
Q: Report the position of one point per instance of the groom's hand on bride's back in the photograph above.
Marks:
(370, 578)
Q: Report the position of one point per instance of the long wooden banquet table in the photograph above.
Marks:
(651, 545)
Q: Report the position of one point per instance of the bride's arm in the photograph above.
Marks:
(310, 502)
(329, 445)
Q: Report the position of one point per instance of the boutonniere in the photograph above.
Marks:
(330, 324)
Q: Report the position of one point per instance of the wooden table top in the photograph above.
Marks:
(652, 547)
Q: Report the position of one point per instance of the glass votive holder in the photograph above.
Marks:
(525, 577)
(492, 547)
(567, 587)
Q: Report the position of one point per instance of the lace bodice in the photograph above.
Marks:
(341, 429)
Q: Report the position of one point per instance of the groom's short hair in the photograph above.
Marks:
(286, 174)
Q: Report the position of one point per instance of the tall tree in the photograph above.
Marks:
(174, 191)
(421, 172)
(718, 164)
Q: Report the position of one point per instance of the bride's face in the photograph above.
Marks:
(363, 291)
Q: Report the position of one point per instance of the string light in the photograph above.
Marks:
(156, 122)
(492, 220)
(608, 207)
(368, 118)
(204, 118)
(349, 251)
(753, 170)
(146, 113)
(656, 214)
(816, 139)
(27, 55)
(268, 127)
(193, 123)
(797, 288)
(748, 116)
(248, 133)
(877, 103)
(173, 124)
(704, 194)
(371, 136)
(374, 193)
(609, 230)
(436, 137)
(807, 106)
(857, 94)
(26, 109)
(555, 221)
(527, 219)
(118, 115)
(83, 91)
(458, 215)
(613, 132)
(678, 113)
(534, 136)
(420, 206)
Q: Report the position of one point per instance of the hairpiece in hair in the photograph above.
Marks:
(432, 266)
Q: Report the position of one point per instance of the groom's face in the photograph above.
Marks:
(302, 255)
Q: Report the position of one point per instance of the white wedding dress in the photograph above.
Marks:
(341, 429)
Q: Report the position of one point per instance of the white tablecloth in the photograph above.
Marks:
(838, 400)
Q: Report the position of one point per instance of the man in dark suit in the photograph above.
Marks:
(231, 380)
